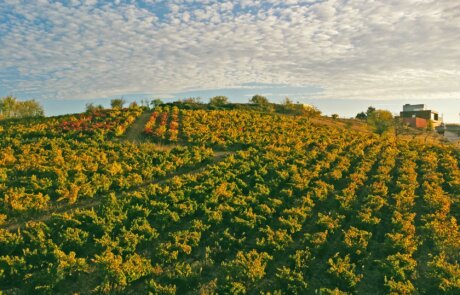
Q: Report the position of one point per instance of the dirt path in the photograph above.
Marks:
(90, 203)
(134, 132)
(452, 136)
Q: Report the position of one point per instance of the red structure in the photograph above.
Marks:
(416, 122)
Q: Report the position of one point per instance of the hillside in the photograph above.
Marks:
(176, 201)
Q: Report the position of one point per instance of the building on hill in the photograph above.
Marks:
(418, 116)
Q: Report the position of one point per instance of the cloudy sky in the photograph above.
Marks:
(346, 53)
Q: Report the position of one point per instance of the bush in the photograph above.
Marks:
(218, 100)
(361, 116)
(156, 102)
(91, 108)
(262, 103)
(259, 100)
(381, 121)
(310, 111)
(117, 103)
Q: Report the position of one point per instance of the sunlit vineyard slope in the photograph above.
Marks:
(242, 202)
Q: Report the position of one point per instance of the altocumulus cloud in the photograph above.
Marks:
(349, 49)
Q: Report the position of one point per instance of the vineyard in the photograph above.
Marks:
(290, 207)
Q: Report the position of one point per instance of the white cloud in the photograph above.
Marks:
(352, 49)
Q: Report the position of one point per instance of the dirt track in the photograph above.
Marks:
(134, 132)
